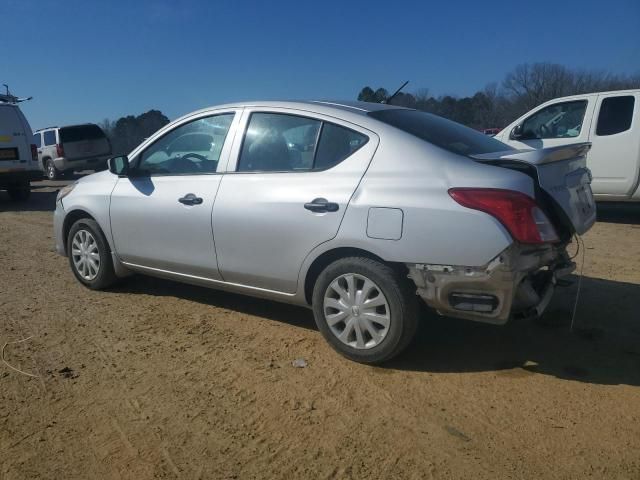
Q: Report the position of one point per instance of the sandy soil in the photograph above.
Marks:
(159, 380)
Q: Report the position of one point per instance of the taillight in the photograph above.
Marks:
(59, 150)
(519, 213)
(34, 152)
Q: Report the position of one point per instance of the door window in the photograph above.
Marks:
(37, 140)
(276, 142)
(50, 138)
(615, 115)
(191, 149)
(560, 120)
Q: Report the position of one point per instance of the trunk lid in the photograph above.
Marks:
(562, 175)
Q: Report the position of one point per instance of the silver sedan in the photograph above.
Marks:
(356, 210)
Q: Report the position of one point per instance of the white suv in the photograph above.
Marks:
(18, 157)
(75, 147)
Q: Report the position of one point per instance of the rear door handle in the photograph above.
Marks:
(321, 205)
(190, 199)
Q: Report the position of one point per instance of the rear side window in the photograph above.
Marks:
(276, 142)
(441, 132)
(50, 138)
(80, 133)
(615, 115)
(336, 144)
(37, 140)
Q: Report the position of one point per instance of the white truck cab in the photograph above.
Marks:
(18, 156)
(609, 120)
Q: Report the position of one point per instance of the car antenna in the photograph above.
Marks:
(8, 98)
(388, 99)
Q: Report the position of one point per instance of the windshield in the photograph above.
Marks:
(79, 133)
(440, 132)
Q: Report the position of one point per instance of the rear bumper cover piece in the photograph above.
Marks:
(519, 282)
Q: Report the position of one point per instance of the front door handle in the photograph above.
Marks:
(321, 205)
(190, 199)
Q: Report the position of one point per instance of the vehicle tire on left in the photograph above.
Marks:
(365, 309)
(51, 171)
(90, 255)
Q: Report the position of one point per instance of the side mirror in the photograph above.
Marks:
(516, 133)
(119, 165)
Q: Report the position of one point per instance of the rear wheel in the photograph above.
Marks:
(19, 193)
(89, 255)
(365, 309)
(52, 172)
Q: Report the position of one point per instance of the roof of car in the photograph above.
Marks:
(319, 106)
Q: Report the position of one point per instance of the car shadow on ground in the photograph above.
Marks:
(619, 212)
(42, 199)
(603, 348)
(281, 312)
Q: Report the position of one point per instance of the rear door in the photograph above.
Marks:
(286, 192)
(15, 149)
(84, 141)
(615, 134)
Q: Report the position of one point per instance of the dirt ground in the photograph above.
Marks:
(159, 380)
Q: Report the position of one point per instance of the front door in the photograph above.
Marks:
(285, 194)
(557, 124)
(161, 213)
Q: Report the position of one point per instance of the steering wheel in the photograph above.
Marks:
(202, 158)
(545, 131)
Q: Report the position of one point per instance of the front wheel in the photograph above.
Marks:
(89, 255)
(365, 309)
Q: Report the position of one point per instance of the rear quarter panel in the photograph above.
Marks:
(414, 176)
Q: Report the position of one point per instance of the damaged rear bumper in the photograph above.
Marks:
(519, 282)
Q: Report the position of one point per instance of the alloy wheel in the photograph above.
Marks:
(85, 255)
(356, 311)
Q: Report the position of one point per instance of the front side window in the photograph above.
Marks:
(37, 140)
(49, 138)
(190, 149)
(276, 142)
(615, 115)
(561, 120)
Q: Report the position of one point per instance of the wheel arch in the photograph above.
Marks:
(330, 256)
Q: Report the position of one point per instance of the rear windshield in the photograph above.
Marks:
(441, 132)
(83, 132)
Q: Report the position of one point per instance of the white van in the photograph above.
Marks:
(609, 120)
(18, 156)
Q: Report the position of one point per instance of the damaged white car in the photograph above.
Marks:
(357, 210)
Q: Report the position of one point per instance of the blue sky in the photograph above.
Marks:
(85, 61)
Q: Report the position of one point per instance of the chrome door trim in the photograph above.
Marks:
(236, 286)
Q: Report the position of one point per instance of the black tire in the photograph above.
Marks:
(105, 276)
(51, 172)
(399, 294)
(19, 193)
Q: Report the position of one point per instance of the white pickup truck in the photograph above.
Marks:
(609, 120)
